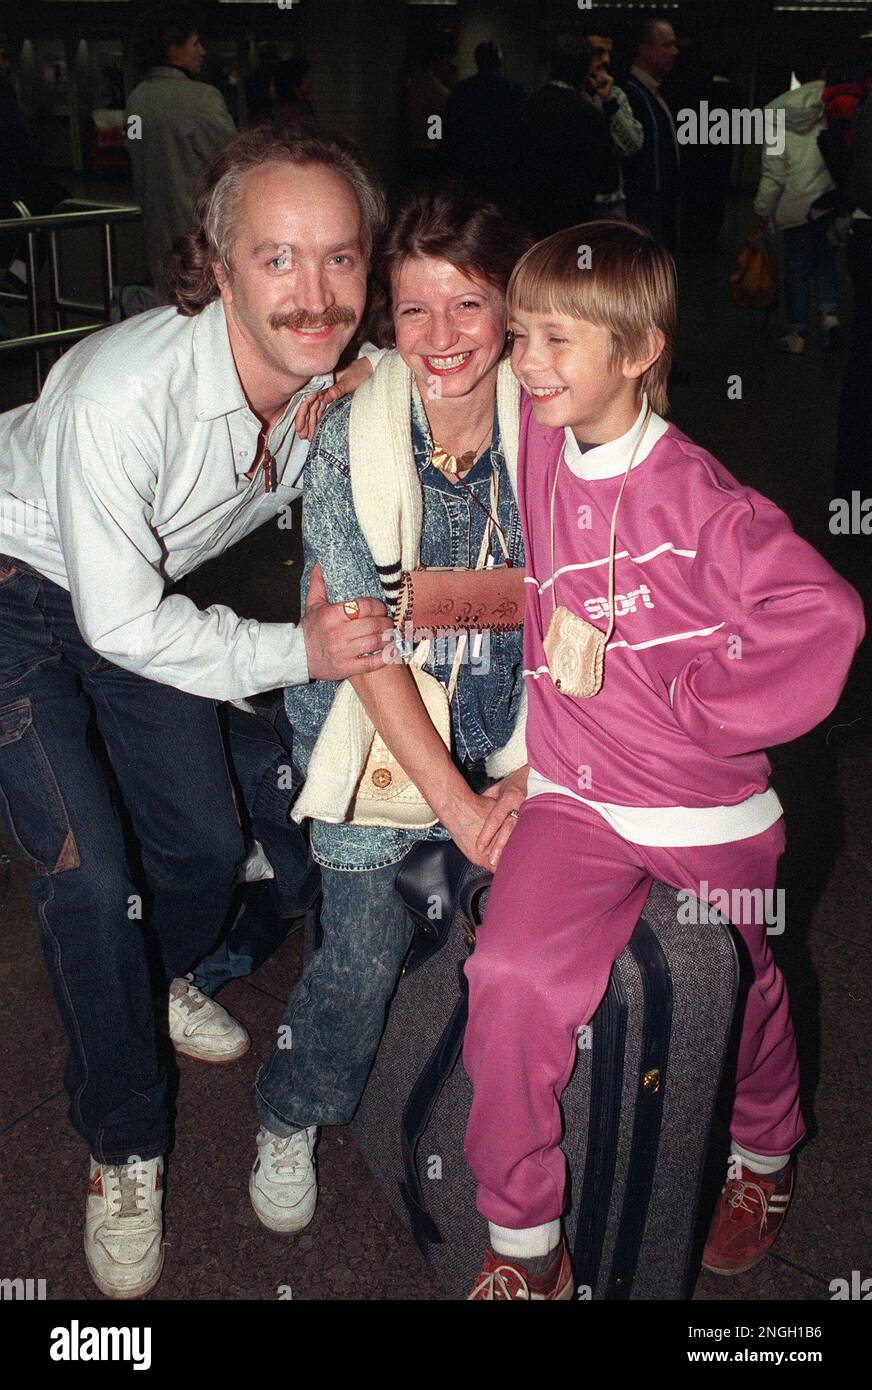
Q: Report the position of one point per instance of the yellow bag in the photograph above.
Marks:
(753, 284)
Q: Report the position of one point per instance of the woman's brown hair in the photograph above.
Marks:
(448, 223)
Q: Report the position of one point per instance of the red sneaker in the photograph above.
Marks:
(501, 1279)
(748, 1217)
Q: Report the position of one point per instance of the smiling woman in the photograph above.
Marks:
(415, 474)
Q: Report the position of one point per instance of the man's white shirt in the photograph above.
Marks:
(127, 474)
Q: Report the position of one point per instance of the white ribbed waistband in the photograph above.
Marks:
(672, 827)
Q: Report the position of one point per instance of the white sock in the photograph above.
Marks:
(759, 1163)
(528, 1243)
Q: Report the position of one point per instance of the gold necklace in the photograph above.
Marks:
(454, 464)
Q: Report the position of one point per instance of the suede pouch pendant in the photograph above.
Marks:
(574, 649)
(575, 653)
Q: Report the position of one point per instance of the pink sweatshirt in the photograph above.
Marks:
(732, 633)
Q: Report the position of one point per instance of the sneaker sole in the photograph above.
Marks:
(283, 1230)
(726, 1273)
(736, 1269)
(125, 1295)
(234, 1056)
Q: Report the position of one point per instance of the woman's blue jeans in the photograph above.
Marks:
(809, 260)
(330, 1031)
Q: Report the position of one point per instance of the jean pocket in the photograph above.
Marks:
(33, 810)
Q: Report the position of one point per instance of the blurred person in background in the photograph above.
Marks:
(482, 128)
(292, 82)
(426, 97)
(566, 150)
(795, 196)
(854, 446)
(705, 167)
(651, 175)
(183, 124)
(625, 130)
(22, 178)
(259, 89)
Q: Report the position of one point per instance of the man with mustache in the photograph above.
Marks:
(154, 446)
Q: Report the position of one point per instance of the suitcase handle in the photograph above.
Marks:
(416, 1116)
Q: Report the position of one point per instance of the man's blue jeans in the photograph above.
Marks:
(136, 863)
(266, 783)
(330, 1030)
(809, 260)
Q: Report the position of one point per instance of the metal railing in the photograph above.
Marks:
(72, 212)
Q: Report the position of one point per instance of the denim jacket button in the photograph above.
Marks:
(382, 778)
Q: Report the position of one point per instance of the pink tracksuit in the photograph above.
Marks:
(732, 634)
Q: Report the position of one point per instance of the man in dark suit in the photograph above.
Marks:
(651, 176)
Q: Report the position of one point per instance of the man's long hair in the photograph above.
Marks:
(191, 277)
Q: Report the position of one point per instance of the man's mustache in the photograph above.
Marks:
(337, 313)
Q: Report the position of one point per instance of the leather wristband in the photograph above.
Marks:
(464, 600)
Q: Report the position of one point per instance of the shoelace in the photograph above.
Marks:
(192, 999)
(738, 1200)
(291, 1154)
(495, 1279)
(127, 1195)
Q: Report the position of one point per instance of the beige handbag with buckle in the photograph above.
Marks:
(386, 794)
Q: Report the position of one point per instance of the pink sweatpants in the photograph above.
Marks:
(565, 900)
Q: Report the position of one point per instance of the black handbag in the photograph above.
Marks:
(436, 883)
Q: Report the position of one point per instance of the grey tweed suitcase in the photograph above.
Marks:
(637, 1111)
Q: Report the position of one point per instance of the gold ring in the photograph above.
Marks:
(351, 608)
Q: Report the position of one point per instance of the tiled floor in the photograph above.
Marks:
(778, 437)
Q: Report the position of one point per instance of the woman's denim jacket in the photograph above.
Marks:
(488, 691)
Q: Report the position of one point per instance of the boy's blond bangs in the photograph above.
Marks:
(612, 274)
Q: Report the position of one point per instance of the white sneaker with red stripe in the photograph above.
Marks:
(124, 1226)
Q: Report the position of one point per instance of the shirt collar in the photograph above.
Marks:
(610, 460)
(646, 79)
(218, 388)
(168, 70)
